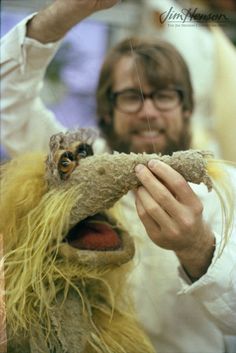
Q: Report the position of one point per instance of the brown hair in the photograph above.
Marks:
(162, 66)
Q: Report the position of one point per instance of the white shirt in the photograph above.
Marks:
(179, 316)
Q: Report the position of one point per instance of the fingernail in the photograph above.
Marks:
(152, 163)
(139, 168)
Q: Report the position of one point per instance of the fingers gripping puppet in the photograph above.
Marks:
(67, 256)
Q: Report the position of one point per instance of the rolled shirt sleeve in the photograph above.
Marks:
(26, 124)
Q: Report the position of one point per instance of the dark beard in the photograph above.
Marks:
(121, 144)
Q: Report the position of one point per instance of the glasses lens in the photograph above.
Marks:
(166, 99)
(129, 101)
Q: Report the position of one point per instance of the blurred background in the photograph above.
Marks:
(207, 46)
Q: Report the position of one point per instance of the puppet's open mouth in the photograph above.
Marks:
(94, 233)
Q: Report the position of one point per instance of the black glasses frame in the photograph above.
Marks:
(113, 96)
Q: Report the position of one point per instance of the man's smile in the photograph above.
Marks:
(147, 136)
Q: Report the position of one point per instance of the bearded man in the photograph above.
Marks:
(185, 292)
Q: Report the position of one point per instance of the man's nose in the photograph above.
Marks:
(149, 110)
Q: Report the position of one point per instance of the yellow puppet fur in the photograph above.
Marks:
(34, 221)
(222, 184)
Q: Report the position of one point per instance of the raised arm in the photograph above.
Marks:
(52, 23)
(26, 124)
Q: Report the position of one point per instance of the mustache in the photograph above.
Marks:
(151, 127)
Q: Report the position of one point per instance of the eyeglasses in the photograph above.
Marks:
(132, 100)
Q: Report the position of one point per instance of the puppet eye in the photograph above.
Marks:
(66, 164)
(84, 150)
(67, 155)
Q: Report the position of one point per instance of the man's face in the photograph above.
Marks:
(149, 130)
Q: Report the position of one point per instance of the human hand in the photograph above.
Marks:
(52, 23)
(79, 9)
(172, 215)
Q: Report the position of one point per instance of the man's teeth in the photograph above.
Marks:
(149, 133)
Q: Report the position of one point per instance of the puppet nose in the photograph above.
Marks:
(112, 176)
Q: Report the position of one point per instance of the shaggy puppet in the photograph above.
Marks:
(66, 257)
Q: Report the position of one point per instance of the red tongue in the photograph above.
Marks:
(96, 236)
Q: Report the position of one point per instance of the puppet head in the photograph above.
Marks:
(66, 261)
